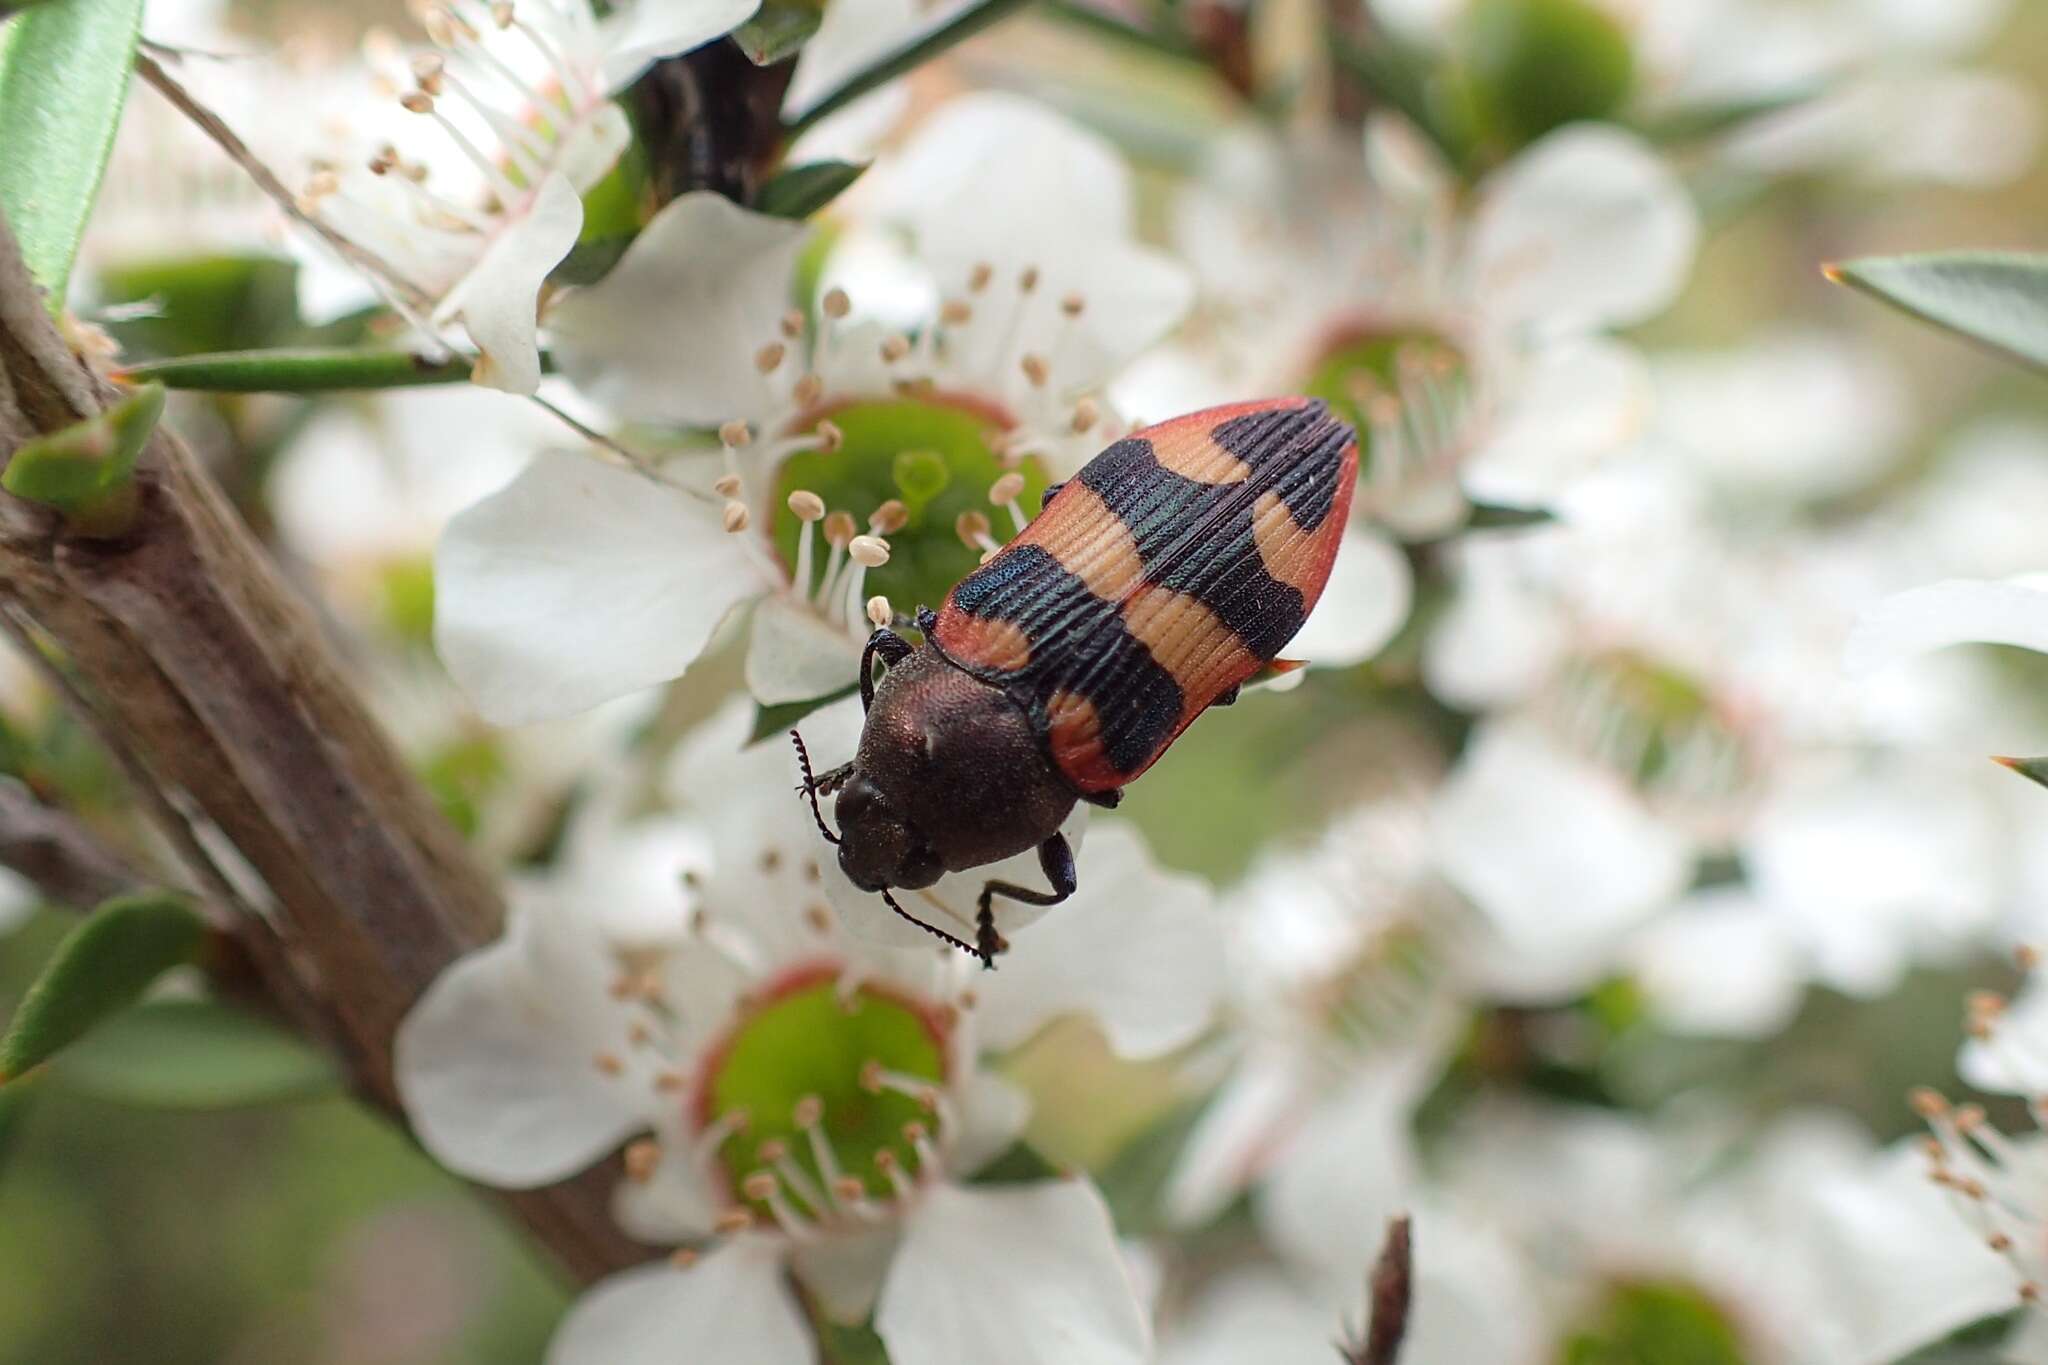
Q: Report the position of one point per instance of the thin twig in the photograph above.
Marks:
(57, 854)
(403, 295)
(1391, 1291)
(641, 465)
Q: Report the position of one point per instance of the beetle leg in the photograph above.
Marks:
(926, 620)
(1108, 800)
(1052, 491)
(813, 785)
(893, 648)
(932, 929)
(1057, 860)
(1228, 696)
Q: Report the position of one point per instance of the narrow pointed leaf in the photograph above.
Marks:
(778, 30)
(193, 1054)
(1696, 123)
(919, 50)
(303, 371)
(770, 721)
(63, 79)
(1489, 516)
(85, 471)
(799, 191)
(100, 969)
(2033, 769)
(1998, 299)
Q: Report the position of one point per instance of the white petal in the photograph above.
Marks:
(674, 1204)
(844, 1272)
(496, 1063)
(662, 28)
(670, 334)
(852, 35)
(1719, 964)
(1903, 1266)
(579, 582)
(1362, 605)
(792, 655)
(1576, 405)
(1586, 229)
(18, 900)
(1252, 1316)
(499, 299)
(1959, 611)
(2013, 1060)
(1011, 1275)
(1350, 1167)
(993, 1112)
(1078, 959)
(1557, 853)
(732, 1308)
(1233, 1136)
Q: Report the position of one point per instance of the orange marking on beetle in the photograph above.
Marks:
(1000, 645)
(1074, 734)
(1090, 541)
(1192, 453)
(1189, 641)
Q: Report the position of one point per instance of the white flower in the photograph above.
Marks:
(522, 93)
(798, 1100)
(581, 581)
(1959, 611)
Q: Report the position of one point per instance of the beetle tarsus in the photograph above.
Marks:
(1228, 696)
(1108, 800)
(1056, 859)
(927, 621)
(1052, 490)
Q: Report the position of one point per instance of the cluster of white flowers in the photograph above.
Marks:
(1621, 725)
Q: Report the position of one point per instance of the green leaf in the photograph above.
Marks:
(194, 1054)
(1998, 299)
(799, 191)
(1489, 516)
(302, 371)
(1699, 122)
(207, 303)
(1408, 80)
(770, 721)
(919, 50)
(100, 969)
(1019, 1164)
(2033, 769)
(778, 29)
(84, 471)
(1134, 1183)
(63, 79)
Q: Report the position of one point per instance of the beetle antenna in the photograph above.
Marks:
(931, 929)
(803, 758)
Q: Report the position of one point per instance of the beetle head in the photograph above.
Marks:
(878, 847)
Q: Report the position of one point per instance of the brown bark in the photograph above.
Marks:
(196, 658)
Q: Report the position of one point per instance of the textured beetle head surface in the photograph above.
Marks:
(878, 847)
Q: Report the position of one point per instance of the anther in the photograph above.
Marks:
(416, 102)
(1006, 489)
(770, 356)
(1999, 1242)
(840, 528)
(871, 1076)
(837, 304)
(669, 1082)
(643, 1158)
(879, 612)
(734, 518)
(972, 528)
(888, 517)
(830, 437)
(638, 1034)
(792, 323)
(895, 346)
(1927, 1103)
(759, 1185)
(818, 918)
(2027, 956)
(501, 13)
(978, 278)
(732, 1221)
(683, 1258)
(1085, 414)
(427, 70)
(956, 312)
(849, 1189)
(727, 485)
(608, 1064)
(808, 390)
(870, 552)
(1035, 370)
(735, 433)
(771, 1151)
(1028, 280)
(808, 1112)
(1072, 305)
(807, 506)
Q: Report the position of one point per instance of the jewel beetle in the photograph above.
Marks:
(1175, 565)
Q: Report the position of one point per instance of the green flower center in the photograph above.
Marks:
(809, 1066)
(1536, 65)
(1654, 1323)
(1661, 727)
(935, 459)
(1372, 376)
